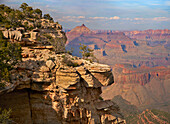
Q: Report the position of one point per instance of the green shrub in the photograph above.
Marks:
(47, 16)
(63, 56)
(70, 51)
(87, 53)
(5, 116)
(100, 98)
(10, 54)
(51, 58)
(68, 62)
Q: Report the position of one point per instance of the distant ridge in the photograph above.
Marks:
(81, 30)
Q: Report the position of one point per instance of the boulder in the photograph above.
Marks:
(34, 35)
(50, 64)
(44, 69)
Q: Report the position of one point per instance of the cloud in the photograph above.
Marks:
(105, 18)
(73, 17)
(161, 19)
(127, 19)
(81, 17)
(139, 18)
(152, 19)
(88, 19)
(98, 18)
(114, 18)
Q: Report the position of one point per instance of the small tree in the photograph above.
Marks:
(24, 6)
(19, 15)
(29, 11)
(10, 54)
(87, 53)
(58, 44)
(38, 12)
(47, 16)
(12, 18)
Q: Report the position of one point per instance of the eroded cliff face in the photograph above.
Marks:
(143, 87)
(44, 89)
(149, 34)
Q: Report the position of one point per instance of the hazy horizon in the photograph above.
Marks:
(104, 14)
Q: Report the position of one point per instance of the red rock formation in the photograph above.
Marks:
(80, 30)
(150, 34)
(144, 87)
(140, 75)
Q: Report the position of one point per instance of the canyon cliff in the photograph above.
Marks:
(139, 60)
(115, 47)
(44, 89)
(143, 87)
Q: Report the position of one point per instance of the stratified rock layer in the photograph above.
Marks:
(43, 89)
(143, 87)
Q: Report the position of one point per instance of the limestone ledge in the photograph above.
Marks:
(58, 93)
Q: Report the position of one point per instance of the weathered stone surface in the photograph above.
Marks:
(19, 102)
(49, 94)
(50, 64)
(34, 35)
(17, 35)
(90, 80)
(44, 69)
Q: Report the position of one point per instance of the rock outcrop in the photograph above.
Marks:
(44, 89)
(13, 34)
(143, 87)
(150, 34)
(40, 36)
(81, 30)
(125, 73)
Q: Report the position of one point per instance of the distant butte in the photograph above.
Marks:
(81, 30)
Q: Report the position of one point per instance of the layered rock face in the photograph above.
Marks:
(149, 34)
(143, 87)
(153, 37)
(96, 40)
(115, 47)
(39, 37)
(44, 89)
(127, 74)
(152, 117)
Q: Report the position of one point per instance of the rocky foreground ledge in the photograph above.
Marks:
(54, 88)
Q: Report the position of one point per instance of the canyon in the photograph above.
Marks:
(139, 60)
(121, 47)
(53, 85)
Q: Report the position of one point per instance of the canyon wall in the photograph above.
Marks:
(44, 89)
(143, 87)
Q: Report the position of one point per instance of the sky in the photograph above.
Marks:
(104, 14)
